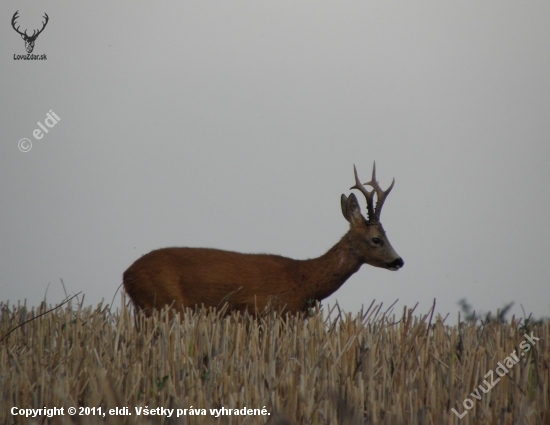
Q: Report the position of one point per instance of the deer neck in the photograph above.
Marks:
(322, 276)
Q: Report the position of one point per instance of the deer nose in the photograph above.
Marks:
(395, 264)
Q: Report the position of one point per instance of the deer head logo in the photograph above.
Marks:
(29, 39)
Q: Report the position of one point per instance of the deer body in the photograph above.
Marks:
(190, 277)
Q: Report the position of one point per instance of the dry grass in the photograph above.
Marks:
(338, 369)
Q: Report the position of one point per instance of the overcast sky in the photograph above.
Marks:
(236, 124)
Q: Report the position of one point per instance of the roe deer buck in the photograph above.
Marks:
(191, 277)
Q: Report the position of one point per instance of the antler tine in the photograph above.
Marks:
(15, 16)
(45, 22)
(368, 195)
(381, 194)
(43, 25)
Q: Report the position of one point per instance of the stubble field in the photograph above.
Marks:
(375, 367)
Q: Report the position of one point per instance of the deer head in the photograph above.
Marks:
(29, 39)
(369, 236)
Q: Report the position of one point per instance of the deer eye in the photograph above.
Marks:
(377, 241)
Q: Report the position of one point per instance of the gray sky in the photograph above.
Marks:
(236, 125)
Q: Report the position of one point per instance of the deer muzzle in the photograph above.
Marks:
(395, 264)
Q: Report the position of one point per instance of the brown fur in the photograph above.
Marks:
(190, 277)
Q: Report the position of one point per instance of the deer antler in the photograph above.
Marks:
(35, 33)
(368, 195)
(43, 25)
(374, 212)
(15, 16)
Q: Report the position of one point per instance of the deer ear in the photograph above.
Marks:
(350, 208)
(344, 205)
